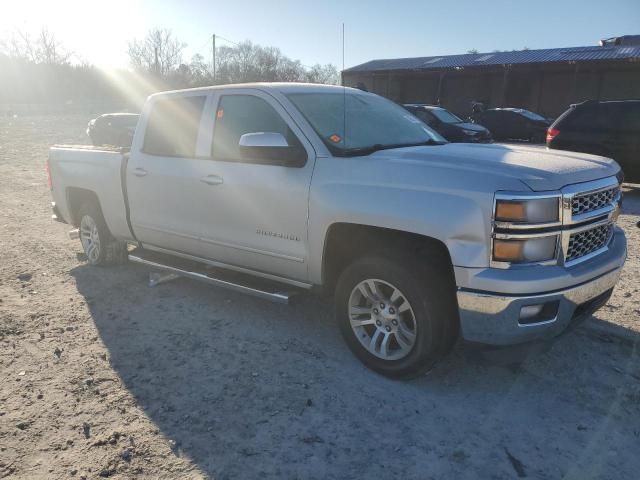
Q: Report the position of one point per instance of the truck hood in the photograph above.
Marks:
(537, 167)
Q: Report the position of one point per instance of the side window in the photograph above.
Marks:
(426, 117)
(581, 118)
(240, 114)
(172, 129)
(487, 117)
(515, 119)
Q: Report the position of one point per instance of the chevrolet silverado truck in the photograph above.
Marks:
(273, 188)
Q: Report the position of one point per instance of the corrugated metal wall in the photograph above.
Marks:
(548, 90)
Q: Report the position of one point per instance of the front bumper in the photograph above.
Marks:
(497, 318)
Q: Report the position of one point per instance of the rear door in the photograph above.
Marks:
(164, 173)
(257, 216)
(516, 126)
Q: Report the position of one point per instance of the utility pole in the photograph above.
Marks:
(213, 40)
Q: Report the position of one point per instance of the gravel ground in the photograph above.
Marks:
(104, 377)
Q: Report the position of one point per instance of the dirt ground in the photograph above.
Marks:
(102, 376)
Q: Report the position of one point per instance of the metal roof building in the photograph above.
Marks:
(545, 80)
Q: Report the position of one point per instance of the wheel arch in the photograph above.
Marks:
(345, 241)
(76, 197)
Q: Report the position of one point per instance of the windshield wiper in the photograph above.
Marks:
(358, 151)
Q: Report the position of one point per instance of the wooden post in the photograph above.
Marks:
(440, 83)
(574, 87)
(505, 85)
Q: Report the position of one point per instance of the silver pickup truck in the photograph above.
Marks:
(269, 188)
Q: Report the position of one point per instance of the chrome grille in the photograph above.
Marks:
(588, 241)
(588, 202)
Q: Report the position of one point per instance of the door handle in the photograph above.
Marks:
(140, 172)
(212, 180)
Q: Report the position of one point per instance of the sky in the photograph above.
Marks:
(311, 31)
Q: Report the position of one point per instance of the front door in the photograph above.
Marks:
(256, 216)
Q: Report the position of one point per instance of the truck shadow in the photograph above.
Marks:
(248, 389)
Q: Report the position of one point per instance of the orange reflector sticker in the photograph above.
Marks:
(220, 114)
(335, 138)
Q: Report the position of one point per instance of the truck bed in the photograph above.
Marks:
(81, 170)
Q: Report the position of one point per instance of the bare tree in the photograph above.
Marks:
(43, 49)
(247, 62)
(159, 53)
(199, 71)
(323, 74)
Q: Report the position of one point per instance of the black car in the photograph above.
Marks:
(513, 124)
(610, 129)
(450, 126)
(113, 129)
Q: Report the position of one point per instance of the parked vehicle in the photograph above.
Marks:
(513, 124)
(610, 129)
(450, 126)
(261, 188)
(113, 129)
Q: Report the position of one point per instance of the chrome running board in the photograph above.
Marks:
(227, 280)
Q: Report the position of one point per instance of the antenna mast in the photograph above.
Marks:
(344, 96)
(213, 41)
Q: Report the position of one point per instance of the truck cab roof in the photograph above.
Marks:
(281, 87)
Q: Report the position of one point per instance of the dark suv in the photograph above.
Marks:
(610, 129)
(113, 129)
(513, 123)
(447, 124)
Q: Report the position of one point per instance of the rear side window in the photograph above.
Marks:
(240, 114)
(581, 118)
(603, 116)
(426, 117)
(172, 130)
(487, 116)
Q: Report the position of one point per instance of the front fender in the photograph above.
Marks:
(455, 210)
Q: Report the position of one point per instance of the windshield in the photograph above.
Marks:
(445, 116)
(372, 122)
(531, 115)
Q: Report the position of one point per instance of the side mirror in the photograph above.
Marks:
(271, 148)
(263, 140)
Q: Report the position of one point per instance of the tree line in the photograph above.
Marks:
(39, 70)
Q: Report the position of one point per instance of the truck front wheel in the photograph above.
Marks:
(398, 315)
(97, 242)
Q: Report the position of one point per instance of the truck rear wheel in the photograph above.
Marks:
(398, 315)
(97, 242)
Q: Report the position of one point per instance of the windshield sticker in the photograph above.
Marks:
(335, 138)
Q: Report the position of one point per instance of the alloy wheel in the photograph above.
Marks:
(382, 319)
(90, 238)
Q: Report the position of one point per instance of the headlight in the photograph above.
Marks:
(530, 250)
(529, 211)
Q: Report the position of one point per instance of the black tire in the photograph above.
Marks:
(429, 287)
(109, 250)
